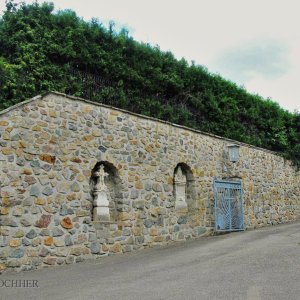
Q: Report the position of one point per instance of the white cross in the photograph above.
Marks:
(101, 174)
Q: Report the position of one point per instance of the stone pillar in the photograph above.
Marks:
(101, 203)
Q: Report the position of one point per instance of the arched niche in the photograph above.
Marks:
(105, 187)
(184, 189)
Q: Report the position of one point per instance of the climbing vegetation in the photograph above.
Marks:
(42, 50)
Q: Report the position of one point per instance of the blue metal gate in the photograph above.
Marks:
(229, 208)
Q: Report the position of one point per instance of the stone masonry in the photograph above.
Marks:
(52, 146)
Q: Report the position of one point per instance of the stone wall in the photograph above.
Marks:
(52, 146)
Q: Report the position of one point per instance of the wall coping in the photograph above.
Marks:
(40, 97)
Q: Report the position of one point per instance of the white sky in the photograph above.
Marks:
(255, 43)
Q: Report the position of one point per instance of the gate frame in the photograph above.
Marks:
(228, 181)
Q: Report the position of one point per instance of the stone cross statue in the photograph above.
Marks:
(101, 174)
(101, 203)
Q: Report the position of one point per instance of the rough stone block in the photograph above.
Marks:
(66, 223)
(115, 248)
(50, 260)
(31, 234)
(17, 253)
(44, 221)
(57, 232)
(79, 250)
(95, 247)
(14, 243)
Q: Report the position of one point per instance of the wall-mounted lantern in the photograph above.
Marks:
(233, 152)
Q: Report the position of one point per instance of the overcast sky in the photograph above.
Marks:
(255, 43)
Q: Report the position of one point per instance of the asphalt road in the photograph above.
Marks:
(257, 264)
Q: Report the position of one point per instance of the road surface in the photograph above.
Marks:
(256, 264)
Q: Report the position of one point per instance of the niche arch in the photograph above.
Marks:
(184, 188)
(113, 186)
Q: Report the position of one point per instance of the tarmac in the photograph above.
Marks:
(254, 264)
